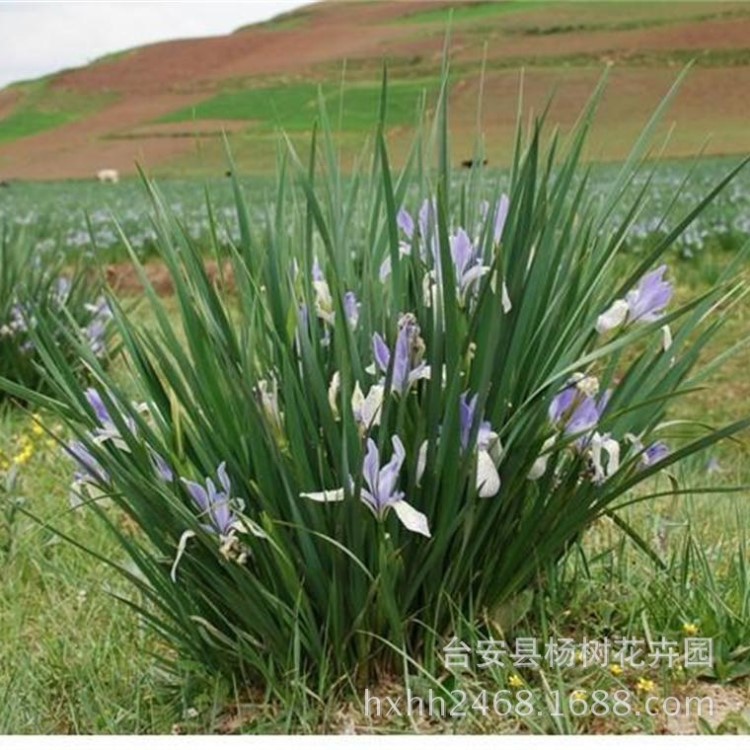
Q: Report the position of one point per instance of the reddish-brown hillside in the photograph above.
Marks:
(134, 95)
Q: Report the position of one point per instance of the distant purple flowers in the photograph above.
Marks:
(19, 322)
(93, 319)
(96, 331)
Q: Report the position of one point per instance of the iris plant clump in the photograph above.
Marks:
(414, 394)
(39, 288)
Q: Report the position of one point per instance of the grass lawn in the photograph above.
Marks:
(296, 106)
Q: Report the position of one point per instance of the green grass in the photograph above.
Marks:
(295, 106)
(29, 122)
(624, 25)
(43, 107)
(470, 12)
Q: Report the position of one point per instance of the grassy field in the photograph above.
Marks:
(61, 213)
(44, 108)
(295, 106)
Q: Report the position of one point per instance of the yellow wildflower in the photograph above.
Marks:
(24, 456)
(515, 681)
(689, 629)
(644, 685)
(615, 670)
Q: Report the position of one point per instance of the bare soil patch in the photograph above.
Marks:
(125, 281)
(8, 100)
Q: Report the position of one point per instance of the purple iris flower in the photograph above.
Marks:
(647, 301)
(317, 271)
(379, 492)
(61, 291)
(487, 477)
(107, 428)
(467, 413)
(576, 411)
(88, 468)
(214, 502)
(163, 469)
(409, 364)
(381, 482)
(405, 223)
(100, 409)
(468, 266)
(425, 220)
(351, 309)
(645, 304)
(654, 453)
(381, 351)
(96, 330)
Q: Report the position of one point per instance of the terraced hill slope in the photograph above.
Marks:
(166, 105)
